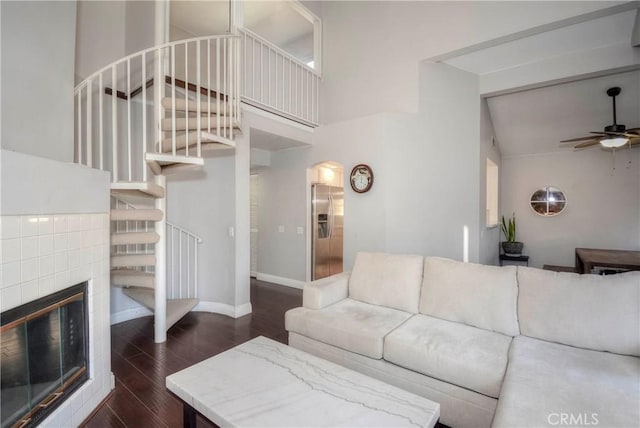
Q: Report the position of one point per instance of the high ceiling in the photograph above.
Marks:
(585, 37)
(535, 121)
(550, 84)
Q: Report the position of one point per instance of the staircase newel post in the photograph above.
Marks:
(160, 311)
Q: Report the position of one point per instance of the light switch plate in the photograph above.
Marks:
(300, 230)
(281, 228)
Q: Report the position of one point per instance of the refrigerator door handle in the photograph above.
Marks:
(330, 215)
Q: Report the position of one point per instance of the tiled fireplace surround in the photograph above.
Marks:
(44, 252)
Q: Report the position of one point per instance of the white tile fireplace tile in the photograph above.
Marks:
(30, 291)
(10, 250)
(61, 261)
(9, 227)
(75, 223)
(61, 242)
(75, 240)
(10, 297)
(45, 225)
(10, 274)
(45, 244)
(60, 224)
(74, 259)
(46, 285)
(29, 270)
(29, 226)
(29, 247)
(47, 265)
(62, 280)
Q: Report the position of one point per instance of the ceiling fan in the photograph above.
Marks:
(613, 136)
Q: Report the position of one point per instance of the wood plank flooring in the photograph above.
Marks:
(140, 366)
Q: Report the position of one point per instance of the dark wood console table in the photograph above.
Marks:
(587, 258)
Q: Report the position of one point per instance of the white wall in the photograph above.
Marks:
(139, 25)
(603, 208)
(109, 30)
(38, 51)
(204, 203)
(100, 35)
(372, 49)
(426, 180)
(489, 149)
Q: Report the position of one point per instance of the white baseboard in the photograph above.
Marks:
(288, 282)
(213, 307)
(224, 309)
(129, 314)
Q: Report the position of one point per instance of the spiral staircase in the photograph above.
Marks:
(154, 113)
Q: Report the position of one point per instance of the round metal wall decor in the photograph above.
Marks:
(548, 201)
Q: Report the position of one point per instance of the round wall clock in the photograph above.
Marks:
(361, 178)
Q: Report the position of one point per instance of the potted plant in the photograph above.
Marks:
(511, 247)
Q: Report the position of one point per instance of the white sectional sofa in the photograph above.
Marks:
(495, 346)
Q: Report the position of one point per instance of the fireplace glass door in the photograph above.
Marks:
(43, 357)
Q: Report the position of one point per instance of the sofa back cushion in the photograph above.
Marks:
(391, 280)
(595, 312)
(472, 294)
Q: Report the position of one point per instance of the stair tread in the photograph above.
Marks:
(208, 140)
(137, 215)
(132, 238)
(170, 159)
(137, 188)
(131, 260)
(192, 123)
(176, 308)
(132, 277)
(193, 105)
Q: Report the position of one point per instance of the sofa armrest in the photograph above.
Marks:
(326, 291)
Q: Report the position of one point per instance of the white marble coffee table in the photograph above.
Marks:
(263, 383)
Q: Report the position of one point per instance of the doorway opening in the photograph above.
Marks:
(326, 203)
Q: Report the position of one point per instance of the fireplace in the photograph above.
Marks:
(45, 347)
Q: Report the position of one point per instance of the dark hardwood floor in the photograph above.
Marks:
(140, 366)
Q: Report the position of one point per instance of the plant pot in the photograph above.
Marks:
(512, 248)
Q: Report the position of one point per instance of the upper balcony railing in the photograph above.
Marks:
(276, 81)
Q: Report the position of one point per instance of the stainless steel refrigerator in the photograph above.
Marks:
(327, 211)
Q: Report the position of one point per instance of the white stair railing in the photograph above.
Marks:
(119, 118)
(182, 263)
(276, 81)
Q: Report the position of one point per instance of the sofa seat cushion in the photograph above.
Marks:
(349, 324)
(466, 356)
(548, 381)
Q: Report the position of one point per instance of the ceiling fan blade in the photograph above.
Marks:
(602, 133)
(586, 144)
(634, 131)
(573, 140)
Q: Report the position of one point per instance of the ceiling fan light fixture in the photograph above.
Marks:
(614, 142)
